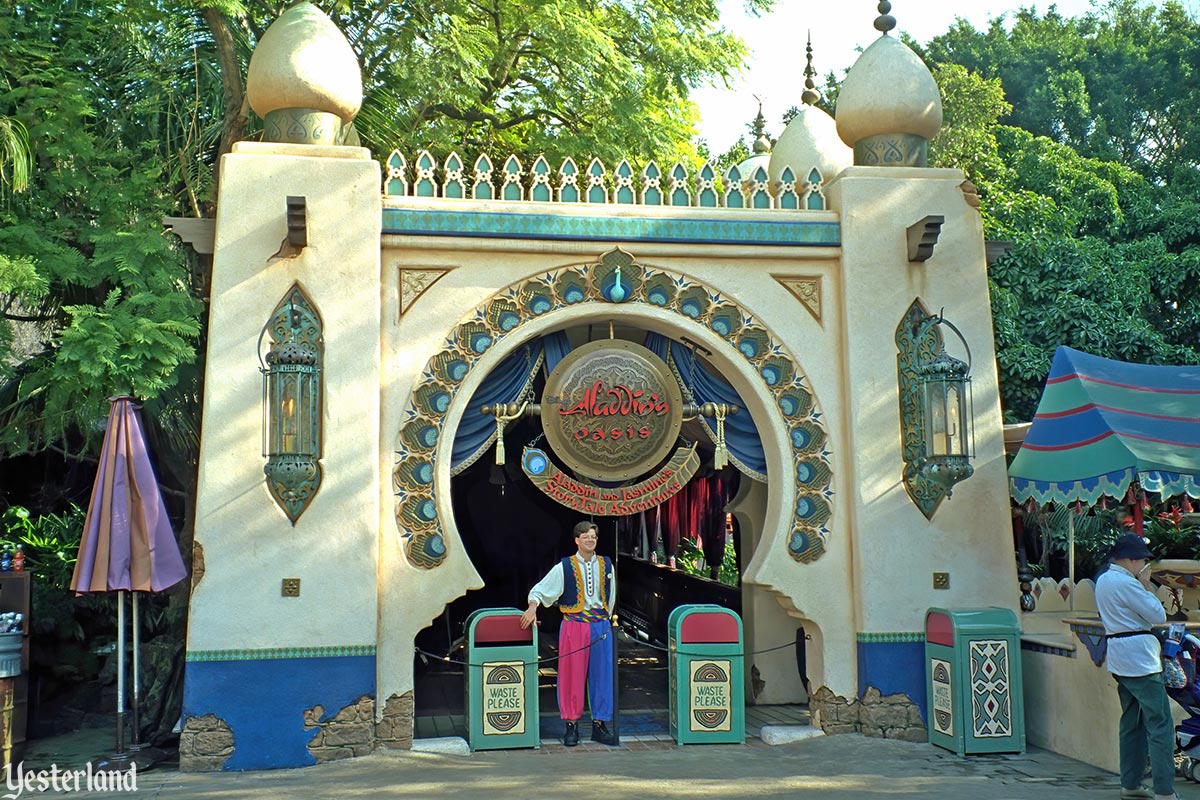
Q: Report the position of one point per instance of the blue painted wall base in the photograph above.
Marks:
(894, 668)
(263, 702)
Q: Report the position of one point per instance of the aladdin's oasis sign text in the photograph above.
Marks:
(612, 410)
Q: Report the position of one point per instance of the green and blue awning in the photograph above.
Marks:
(1103, 424)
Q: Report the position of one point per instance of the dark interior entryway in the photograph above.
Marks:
(513, 533)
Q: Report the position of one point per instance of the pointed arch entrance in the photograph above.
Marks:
(793, 510)
(762, 370)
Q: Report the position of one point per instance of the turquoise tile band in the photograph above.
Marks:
(491, 224)
(875, 638)
(337, 651)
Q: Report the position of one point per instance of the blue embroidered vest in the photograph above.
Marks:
(572, 599)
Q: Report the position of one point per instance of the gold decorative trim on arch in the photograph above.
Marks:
(415, 281)
(806, 289)
(698, 305)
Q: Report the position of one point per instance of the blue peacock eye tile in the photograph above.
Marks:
(424, 472)
(574, 294)
(800, 438)
(434, 546)
(427, 510)
(798, 542)
(804, 472)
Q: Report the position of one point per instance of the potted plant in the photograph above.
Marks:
(1177, 545)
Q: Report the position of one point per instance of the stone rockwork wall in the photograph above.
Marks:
(205, 744)
(395, 728)
(892, 717)
(348, 733)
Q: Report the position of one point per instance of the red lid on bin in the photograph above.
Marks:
(938, 629)
(502, 629)
(706, 627)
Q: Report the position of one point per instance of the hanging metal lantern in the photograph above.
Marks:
(292, 402)
(945, 391)
(936, 411)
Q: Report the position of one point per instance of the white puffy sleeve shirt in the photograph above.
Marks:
(1126, 605)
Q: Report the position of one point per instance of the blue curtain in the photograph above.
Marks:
(507, 383)
(702, 385)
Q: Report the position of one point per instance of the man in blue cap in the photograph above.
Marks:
(1128, 610)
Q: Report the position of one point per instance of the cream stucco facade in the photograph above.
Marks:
(363, 600)
(421, 293)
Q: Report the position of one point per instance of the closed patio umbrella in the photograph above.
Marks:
(127, 544)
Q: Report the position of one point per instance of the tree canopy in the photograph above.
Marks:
(1118, 84)
(113, 114)
(1102, 218)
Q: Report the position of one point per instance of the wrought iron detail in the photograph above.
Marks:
(921, 347)
(293, 402)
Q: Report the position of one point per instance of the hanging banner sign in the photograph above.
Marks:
(611, 410)
(610, 502)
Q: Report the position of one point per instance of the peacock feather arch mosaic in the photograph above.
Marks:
(619, 279)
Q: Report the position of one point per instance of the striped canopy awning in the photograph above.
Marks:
(1102, 424)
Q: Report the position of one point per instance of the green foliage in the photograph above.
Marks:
(64, 629)
(575, 78)
(96, 299)
(1170, 538)
(1095, 532)
(51, 542)
(690, 559)
(1104, 254)
(15, 162)
(1118, 84)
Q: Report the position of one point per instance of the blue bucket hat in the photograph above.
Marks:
(1130, 545)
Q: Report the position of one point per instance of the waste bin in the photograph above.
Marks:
(707, 695)
(973, 678)
(502, 685)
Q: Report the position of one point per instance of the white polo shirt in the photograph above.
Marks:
(1126, 605)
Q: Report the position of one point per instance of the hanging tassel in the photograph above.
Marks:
(1139, 519)
(721, 454)
(1104, 502)
(1186, 505)
(499, 442)
(1079, 508)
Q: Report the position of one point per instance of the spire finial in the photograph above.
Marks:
(761, 143)
(885, 21)
(810, 95)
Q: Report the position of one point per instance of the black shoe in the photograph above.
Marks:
(601, 733)
(571, 736)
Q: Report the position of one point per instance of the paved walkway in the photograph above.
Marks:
(847, 767)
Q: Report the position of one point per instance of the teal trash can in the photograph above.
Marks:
(973, 679)
(502, 681)
(707, 702)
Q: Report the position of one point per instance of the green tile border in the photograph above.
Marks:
(889, 638)
(493, 224)
(336, 651)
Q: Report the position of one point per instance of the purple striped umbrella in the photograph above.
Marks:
(127, 539)
(127, 545)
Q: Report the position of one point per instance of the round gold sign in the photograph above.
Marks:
(612, 410)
